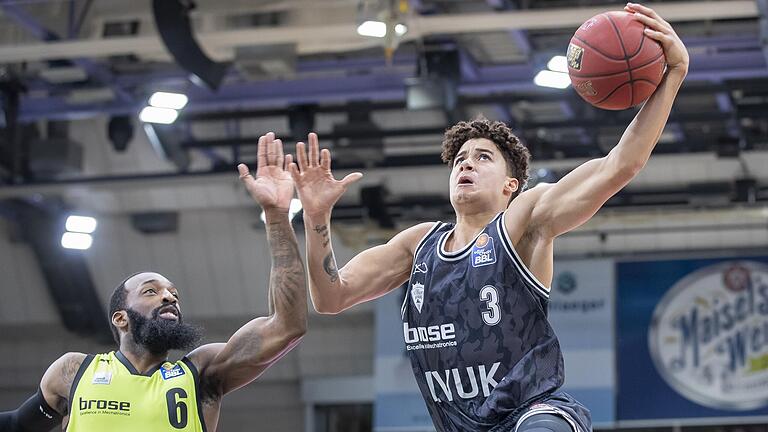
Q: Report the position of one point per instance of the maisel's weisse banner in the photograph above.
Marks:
(693, 338)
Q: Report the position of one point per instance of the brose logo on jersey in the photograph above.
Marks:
(102, 406)
(442, 336)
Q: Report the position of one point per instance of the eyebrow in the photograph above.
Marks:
(172, 286)
(482, 150)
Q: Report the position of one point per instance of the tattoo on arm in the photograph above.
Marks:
(68, 371)
(287, 282)
(323, 231)
(329, 265)
(264, 339)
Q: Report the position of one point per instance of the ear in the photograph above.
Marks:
(511, 185)
(120, 319)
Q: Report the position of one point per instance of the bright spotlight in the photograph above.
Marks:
(175, 101)
(158, 115)
(558, 64)
(372, 29)
(81, 224)
(79, 241)
(547, 78)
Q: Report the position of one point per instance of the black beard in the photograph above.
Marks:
(159, 335)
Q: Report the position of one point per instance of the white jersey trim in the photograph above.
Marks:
(548, 409)
(464, 251)
(527, 274)
(423, 240)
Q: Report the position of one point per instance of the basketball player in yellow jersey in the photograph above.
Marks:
(136, 388)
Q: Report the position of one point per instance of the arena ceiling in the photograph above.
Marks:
(81, 63)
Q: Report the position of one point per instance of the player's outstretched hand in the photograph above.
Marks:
(272, 187)
(317, 188)
(661, 31)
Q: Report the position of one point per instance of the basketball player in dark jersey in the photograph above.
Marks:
(475, 314)
(135, 388)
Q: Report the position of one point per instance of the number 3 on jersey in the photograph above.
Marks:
(491, 298)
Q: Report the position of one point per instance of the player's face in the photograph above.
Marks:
(479, 173)
(155, 317)
(154, 297)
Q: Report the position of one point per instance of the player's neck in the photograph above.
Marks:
(140, 357)
(468, 225)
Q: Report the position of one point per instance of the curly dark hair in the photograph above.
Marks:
(515, 153)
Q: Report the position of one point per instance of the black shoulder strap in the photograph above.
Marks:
(196, 375)
(80, 371)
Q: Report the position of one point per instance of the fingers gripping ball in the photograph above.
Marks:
(612, 64)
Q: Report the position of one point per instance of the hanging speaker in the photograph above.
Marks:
(120, 132)
(172, 21)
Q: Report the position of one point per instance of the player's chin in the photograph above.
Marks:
(463, 196)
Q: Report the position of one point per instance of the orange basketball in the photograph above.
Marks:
(612, 63)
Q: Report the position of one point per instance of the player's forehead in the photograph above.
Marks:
(478, 144)
(137, 281)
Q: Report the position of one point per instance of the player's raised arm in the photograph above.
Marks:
(370, 274)
(570, 202)
(263, 341)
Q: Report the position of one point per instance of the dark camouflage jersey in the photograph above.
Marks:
(476, 331)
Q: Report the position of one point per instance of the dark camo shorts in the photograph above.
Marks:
(560, 404)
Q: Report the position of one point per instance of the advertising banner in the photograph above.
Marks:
(693, 338)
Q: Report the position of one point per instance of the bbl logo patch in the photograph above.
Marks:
(417, 294)
(169, 371)
(483, 252)
(575, 54)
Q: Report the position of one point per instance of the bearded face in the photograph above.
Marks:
(160, 333)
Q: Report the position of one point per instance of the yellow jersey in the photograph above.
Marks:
(109, 394)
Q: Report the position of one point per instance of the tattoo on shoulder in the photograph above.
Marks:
(63, 381)
(323, 231)
(70, 367)
(329, 265)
